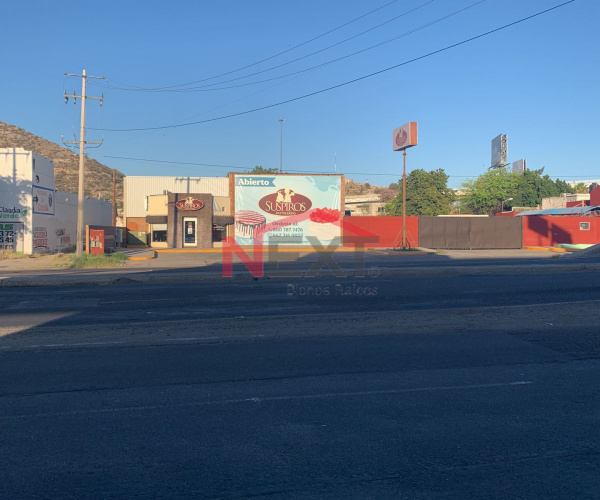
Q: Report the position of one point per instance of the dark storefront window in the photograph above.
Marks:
(159, 236)
(218, 233)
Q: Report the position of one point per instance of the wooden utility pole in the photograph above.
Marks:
(82, 143)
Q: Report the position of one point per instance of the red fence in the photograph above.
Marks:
(538, 230)
(549, 231)
(388, 229)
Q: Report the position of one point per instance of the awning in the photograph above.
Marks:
(156, 219)
(223, 220)
(562, 211)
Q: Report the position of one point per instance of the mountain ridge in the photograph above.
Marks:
(98, 177)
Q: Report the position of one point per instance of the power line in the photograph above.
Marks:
(262, 60)
(239, 168)
(205, 88)
(200, 89)
(344, 83)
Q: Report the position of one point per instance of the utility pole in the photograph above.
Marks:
(82, 143)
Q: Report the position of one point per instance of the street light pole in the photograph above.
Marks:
(281, 120)
(503, 201)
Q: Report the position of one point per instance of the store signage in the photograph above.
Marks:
(43, 200)
(190, 203)
(255, 181)
(405, 136)
(285, 202)
(12, 212)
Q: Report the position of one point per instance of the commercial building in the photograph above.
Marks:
(177, 212)
(34, 216)
(199, 212)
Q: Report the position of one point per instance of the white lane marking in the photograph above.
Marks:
(135, 300)
(257, 400)
(75, 344)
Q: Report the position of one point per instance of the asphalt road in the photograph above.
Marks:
(469, 386)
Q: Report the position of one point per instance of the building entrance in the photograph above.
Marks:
(190, 237)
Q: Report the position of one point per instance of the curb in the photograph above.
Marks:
(264, 249)
(184, 276)
(548, 249)
(153, 256)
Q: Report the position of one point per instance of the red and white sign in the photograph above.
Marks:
(405, 136)
(285, 202)
(96, 241)
(189, 203)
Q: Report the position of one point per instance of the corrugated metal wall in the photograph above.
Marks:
(137, 188)
(470, 233)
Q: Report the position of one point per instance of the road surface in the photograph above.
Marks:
(441, 386)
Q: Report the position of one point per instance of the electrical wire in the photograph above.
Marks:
(195, 89)
(240, 168)
(370, 75)
(410, 32)
(263, 60)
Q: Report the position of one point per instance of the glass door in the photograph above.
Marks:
(190, 238)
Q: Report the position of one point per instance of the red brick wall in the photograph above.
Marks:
(137, 224)
(546, 230)
(388, 229)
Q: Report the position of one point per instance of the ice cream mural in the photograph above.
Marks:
(287, 209)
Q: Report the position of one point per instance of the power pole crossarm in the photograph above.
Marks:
(82, 143)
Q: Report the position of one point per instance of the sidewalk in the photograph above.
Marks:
(147, 266)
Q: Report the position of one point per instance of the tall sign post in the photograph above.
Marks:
(404, 137)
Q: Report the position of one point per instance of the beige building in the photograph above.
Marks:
(561, 201)
(363, 205)
(177, 212)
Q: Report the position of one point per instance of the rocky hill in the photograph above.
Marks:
(98, 177)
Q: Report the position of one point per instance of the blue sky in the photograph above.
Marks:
(536, 81)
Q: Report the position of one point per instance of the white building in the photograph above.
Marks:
(34, 217)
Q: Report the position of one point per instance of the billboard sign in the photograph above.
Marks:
(287, 209)
(499, 151)
(405, 136)
(518, 167)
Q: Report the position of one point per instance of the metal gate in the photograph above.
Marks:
(471, 233)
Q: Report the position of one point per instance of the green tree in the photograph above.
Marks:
(261, 170)
(427, 193)
(486, 194)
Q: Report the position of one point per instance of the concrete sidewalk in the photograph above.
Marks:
(147, 266)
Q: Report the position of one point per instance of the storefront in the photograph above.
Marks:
(185, 220)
